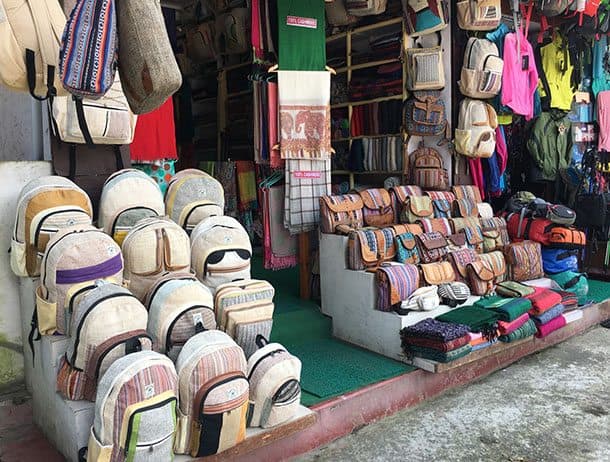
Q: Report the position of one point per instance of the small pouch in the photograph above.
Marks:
(423, 299)
(95, 451)
(378, 209)
(342, 211)
(497, 263)
(416, 208)
(459, 261)
(18, 259)
(406, 249)
(46, 313)
(465, 208)
(513, 289)
(432, 247)
(437, 273)
(485, 210)
(425, 70)
(481, 278)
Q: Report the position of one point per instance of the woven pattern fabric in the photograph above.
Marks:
(524, 260)
(543, 300)
(526, 330)
(440, 225)
(551, 326)
(406, 249)
(440, 356)
(434, 329)
(507, 327)
(459, 260)
(432, 247)
(550, 314)
(337, 210)
(442, 208)
(395, 283)
(512, 309)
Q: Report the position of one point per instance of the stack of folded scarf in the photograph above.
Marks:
(543, 300)
(435, 340)
(477, 341)
(507, 309)
(546, 311)
(569, 300)
(477, 319)
(527, 329)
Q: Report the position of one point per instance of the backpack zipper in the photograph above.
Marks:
(139, 411)
(287, 384)
(113, 230)
(168, 342)
(112, 347)
(40, 223)
(188, 215)
(259, 360)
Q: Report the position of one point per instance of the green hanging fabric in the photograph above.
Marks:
(302, 38)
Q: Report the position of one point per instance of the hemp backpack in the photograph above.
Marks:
(426, 169)
(76, 257)
(220, 251)
(30, 34)
(193, 195)
(481, 75)
(179, 306)
(213, 395)
(275, 384)
(45, 206)
(128, 196)
(475, 135)
(244, 310)
(135, 410)
(153, 247)
(108, 323)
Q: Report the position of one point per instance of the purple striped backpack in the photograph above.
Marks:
(88, 54)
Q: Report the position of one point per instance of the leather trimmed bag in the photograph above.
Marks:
(495, 234)
(424, 17)
(513, 289)
(524, 261)
(475, 135)
(416, 208)
(341, 213)
(369, 248)
(431, 247)
(470, 227)
(395, 283)
(425, 70)
(479, 14)
(425, 114)
(459, 260)
(566, 238)
(406, 249)
(441, 225)
(467, 192)
(426, 169)
(442, 201)
(465, 208)
(497, 263)
(480, 278)
(377, 209)
(400, 194)
(437, 273)
(456, 241)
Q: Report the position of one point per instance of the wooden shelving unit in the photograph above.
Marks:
(351, 37)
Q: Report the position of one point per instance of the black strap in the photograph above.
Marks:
(30, 65)
(72, 162)
(82, 120)
(133, 345)
(572, 282)
(82, 454)
(34, 333)
(261, 341)
(199, 328)
(118, 158)
(528, 225)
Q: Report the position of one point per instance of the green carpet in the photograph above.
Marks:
(330, 367)
(599, 290)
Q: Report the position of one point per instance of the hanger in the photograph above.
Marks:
(275, 68)
(271, 179)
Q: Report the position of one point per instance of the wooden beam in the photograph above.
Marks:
(304, 266)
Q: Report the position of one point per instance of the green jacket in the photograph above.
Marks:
(550, 143)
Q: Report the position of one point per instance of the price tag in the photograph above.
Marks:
(305, 174)
(298, 21)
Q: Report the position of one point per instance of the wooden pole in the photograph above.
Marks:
(304, 266)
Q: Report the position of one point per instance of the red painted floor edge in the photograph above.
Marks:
(342, 415)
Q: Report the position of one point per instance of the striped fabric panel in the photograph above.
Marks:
(467, 192)
(250, 297)
(344, 217)
(498, 263)
(395, 283)
(442, 208)
(89, 48)
(525, 261)
(437, 195)
(214, 364)
(70, 382)
(440, 225)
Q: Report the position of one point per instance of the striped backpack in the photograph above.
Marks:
(45, 206)
(128, 196)
(244, 310)
(275, 385)
(179, 306)
(213, 395)
(75, 258)
(220, 251)
(193, 195)
(108, 323)
(88, 55)
(153, 247)
(426, 168)
(135, 411)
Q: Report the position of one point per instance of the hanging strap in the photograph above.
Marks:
(82, 120)
(118, 158)
(34, 333)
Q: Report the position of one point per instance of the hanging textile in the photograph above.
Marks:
(306, 181)
(304, 99)
(159, 170)
(279, 247)
(225, 173)
(255, 30)
(155, 135)
(246, 183)
(273, 125)
(302, 38)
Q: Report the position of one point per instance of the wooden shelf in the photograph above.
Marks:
(367, 101)
(357, 67)
(359, 137)
(239, 93)
(368, 27)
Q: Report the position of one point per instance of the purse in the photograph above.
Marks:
(431, 247)
(423, 299)
(513, 289)
(485, 210)
(437, 273)
(465, 208)
(425, 70)
(497, 263)
(495, 233)
(470, 227)
(456, 242)
(369, 248)
(524, 261)
(395, 283)
(467, 192)
(479, 14)
(341, 213)
(480, 278)
(442, 201)
(377, 209)
(416, 208)
(425, 114)
(459, 260)
(440, 225)
(400, 194)
(406, 249)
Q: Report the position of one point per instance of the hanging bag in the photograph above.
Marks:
(425, 114)
(425, 70)
(475, 135)
(479, 14)
(481, 75)
(424, 16)
(426, 169)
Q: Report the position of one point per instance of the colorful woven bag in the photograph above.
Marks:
(406, 249)
(395, 283)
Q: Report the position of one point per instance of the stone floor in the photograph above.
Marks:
(552, 406)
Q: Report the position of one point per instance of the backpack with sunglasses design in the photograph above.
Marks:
(220, 251)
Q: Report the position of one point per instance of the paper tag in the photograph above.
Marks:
(298, 21)
(149, 390)
(197, 318)
(306, 174)
(525, 62)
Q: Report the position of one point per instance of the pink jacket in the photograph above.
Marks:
(520, 76)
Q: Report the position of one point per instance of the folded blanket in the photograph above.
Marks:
(491, 301)
(551, 326)
(569, 300)
(440, 356)
(477, 319)
(545, 317)
(506, 327)
(543, 300)
(480, 346)
(526, 330)
(432, 329)
(512, 310)
(438, 345)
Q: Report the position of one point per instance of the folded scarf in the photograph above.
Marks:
(545, 317)
(478, 341)
(432, 329)
(569, 300)
(551, 326)
(491, 301)
(440, 356)
(505, 327)
(438, 345)
(543, 300)
(480, 346)
(477, 319)
(526, 330)
(512, 310)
